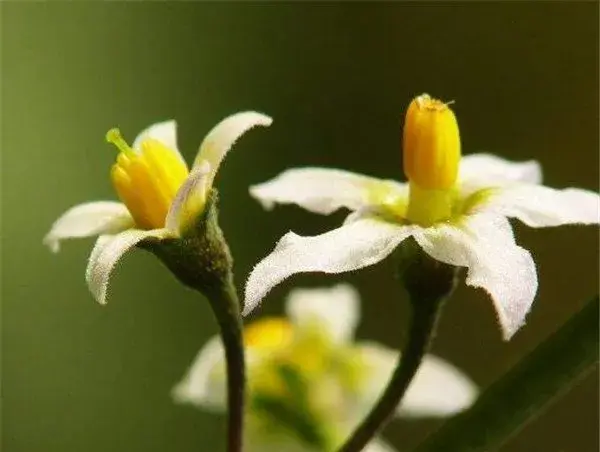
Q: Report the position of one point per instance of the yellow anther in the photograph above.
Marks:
(431, 145)
(146, 179)
(268, 334)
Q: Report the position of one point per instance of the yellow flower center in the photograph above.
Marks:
(146, 180)
(431, 145)
(268, 334)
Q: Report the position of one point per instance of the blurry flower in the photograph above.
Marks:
(160, 197)
(457, 211)
(310, 384)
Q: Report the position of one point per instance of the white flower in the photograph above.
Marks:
(457, 210)
(160, 197)
(340, 379)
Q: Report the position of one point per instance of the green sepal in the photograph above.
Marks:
(425, 279)
(200, 259)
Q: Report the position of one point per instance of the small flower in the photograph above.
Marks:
(160, 198)
(310, 383)
(457, 211)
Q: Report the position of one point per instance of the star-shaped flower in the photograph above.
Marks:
(310, 383)
(160, 197)
(456, 210)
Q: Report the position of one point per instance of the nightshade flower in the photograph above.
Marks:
(456, 209)
(160, 197)
(310, 383)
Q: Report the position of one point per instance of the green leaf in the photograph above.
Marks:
(526, 390)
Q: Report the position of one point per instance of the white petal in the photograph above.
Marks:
(485, 244)
(92, 218)
(350, 247)
(335, 309)
(165, 132)
(378, 445)
(189, 200)
(540, 206)
(221, 138)
(487, 170)
(205, 383)
(107, 252)
(323, 190)
(438, 389)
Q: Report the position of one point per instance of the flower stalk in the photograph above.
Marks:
(226, 307)
(202, 261)
(428, 283)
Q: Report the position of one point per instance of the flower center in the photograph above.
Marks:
(268, 334)
(431, 145)
(146, 180)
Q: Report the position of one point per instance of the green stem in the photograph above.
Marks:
(200, 259)
(526, 390)
(225, 304)
(428, 283)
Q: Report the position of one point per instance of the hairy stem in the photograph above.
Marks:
(428, 284)
(225, 304)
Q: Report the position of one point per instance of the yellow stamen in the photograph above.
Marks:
(431, 146)
(146, 181)
(268, 334)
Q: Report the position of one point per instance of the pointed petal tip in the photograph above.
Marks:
(51, 242)
(247, 310)
(510, 329)
(257, 192)
(259, 118)
(179, 393)
(220, 139)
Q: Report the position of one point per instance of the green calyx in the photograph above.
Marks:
(424, 278)
(200, 259)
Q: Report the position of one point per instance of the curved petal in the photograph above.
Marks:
(479, 171)
(165, 132)
(438, 389)
(539, 206)
(486, 246)
(107, 252)
(356, 245)
(221, 138)
(205, 382)
(335, 309)
(189, 200)
(88, 219)
(324, 190)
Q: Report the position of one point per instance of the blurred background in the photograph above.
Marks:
(336, 78)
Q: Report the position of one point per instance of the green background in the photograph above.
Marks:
(336, 78)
